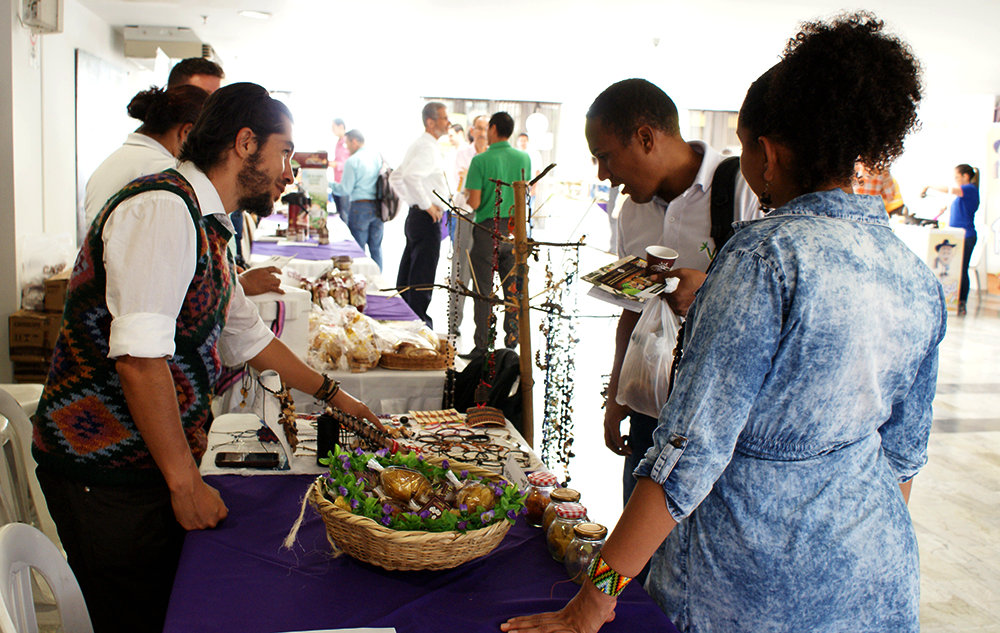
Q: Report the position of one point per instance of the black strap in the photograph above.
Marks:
(724, 200)
(723, 215)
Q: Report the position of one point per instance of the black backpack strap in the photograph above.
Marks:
(724, 200)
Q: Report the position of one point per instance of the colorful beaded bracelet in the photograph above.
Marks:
(606, 579)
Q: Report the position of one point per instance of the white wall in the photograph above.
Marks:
(37, 136)
(20, 157)
(86, 31)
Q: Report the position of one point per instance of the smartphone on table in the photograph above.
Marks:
(246, 460)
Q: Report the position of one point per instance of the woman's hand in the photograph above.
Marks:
(690, 280)
(585, 613)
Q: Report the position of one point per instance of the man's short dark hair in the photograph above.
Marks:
(524, 134)
(457, 128)
(338, 121)
(187, 68)
(625, 106)
(226, 112)
(430, 111)
(504, 123)
(356, 136)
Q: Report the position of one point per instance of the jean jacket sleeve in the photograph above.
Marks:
(905, 434)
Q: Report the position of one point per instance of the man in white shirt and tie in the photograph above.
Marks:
(419, 175)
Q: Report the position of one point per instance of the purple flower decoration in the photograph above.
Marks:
(361, 481)
(461, 525)
(420, 457)
(464, 474)
(382, 452)
(486, 517)
(344, 491)
(463, 507)
(444, 464)
(523, 511)
(386, 521)
(358, 451)
(511, 515)
(387, 509)
(424, 514)
(354, 504)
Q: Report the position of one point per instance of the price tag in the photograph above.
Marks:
(512, 472)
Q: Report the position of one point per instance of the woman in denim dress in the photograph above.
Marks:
(802, 404)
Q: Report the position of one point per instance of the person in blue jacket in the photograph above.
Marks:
(963, 212)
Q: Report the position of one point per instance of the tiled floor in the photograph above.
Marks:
(955, 503)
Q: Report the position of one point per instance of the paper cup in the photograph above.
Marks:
(659, 259)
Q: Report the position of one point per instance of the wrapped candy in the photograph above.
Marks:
(475, 495)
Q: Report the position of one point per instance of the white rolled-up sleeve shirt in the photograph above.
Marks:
(421, 173)
(150, 254)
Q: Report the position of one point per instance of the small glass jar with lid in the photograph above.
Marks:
(542, 484)
(588, 539)
(560, 533)
(559, 495)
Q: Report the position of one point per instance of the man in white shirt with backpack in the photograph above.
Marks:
(633, 131)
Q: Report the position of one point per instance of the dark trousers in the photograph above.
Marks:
(123, 544)
(640, 439)
(418, 265)
(481, 255)
(963, 288)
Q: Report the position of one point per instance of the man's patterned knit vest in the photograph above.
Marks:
(83, 428)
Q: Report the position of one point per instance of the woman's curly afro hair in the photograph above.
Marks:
(844, 91)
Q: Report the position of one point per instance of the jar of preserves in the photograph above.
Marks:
(559, 495)
(588, 539)
(560, 533)
(542, 484)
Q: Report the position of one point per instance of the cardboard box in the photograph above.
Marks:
(31, 372)
(55, 291)
(34, 329)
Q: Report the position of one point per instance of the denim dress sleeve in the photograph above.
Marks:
(717, 384)
(905, 434)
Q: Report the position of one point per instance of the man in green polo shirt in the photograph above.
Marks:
(499, 162)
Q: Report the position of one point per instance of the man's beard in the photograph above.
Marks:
(255, 188)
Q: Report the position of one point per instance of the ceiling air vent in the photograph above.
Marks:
(141, 42)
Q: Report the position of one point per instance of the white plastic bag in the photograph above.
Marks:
(645, 377)
(42, 255)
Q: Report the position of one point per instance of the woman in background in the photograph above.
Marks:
(963, 213)
(167, 116)
(802, 404)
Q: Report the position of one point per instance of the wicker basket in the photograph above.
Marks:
(441, 361)
(366, 540)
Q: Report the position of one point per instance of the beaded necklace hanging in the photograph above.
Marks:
(559, 362)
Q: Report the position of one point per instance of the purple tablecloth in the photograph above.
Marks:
(312, 253)
(389, 309)
(236, 578)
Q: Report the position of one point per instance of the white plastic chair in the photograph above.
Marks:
(25, 555)
(23, 548)
(26, 503)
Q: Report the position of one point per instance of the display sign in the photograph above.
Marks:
(990, 191)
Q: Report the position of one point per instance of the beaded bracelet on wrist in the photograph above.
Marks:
(327, 390)
(606, 579)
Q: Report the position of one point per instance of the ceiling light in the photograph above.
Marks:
(257, 15)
